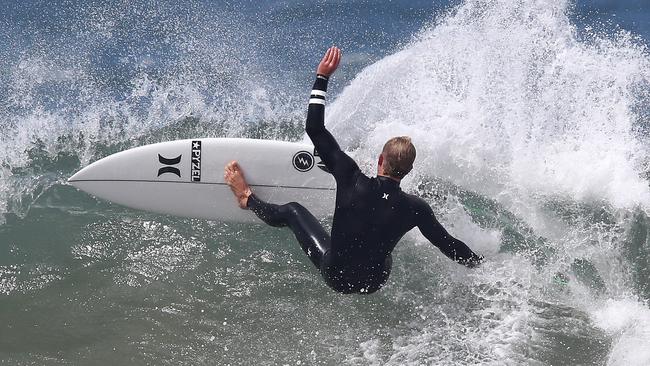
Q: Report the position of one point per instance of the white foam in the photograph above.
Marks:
(502, 96)
(628, 322)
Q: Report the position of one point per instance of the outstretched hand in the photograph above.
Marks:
(330, 61)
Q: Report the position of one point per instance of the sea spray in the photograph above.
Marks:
(520, 121)
(124, 79)
(505, 99)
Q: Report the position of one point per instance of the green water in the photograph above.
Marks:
(87, 282)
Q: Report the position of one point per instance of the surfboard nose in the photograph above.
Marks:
(73, 181)
(85, 175)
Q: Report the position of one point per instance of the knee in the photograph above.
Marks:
(293, 208)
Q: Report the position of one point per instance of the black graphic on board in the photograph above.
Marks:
(168, 168)
(166, 161)
(303, 161)
(196, 161)
(320, 163)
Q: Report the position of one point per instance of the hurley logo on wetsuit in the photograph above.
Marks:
(385, 196)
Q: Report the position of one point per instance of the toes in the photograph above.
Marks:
(232, 172)
(227, 176)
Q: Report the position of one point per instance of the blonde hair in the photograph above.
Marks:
(399, 155)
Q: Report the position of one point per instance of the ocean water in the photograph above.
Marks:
(532, 125)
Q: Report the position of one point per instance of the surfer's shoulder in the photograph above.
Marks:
(418, 205)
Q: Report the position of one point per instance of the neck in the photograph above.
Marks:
(388, 176)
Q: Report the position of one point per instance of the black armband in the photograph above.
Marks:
(319, 91)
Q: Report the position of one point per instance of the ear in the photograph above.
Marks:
(381, 160)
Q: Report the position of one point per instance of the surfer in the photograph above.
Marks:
(371, 214)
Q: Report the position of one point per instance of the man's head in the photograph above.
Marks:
(396, 159)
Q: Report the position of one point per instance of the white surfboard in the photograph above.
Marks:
(185, 177)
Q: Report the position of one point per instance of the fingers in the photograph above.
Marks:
(336, 57)
(332, 54)
(327, 55)
(330, 61)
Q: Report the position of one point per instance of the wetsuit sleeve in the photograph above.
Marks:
(338, 162)
(438, 236)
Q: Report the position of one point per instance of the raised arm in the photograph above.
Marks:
(438, 236)
(338, 163)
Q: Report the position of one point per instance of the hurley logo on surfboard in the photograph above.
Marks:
(169, 168)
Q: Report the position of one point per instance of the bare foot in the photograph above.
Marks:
(235, 179)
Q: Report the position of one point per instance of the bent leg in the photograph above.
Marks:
(313, 239)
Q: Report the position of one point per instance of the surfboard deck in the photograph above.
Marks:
(185, 177)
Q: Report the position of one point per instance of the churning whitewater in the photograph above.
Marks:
(531, 124)
(524, 126)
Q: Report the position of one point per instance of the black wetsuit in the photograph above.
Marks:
(370, 217)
